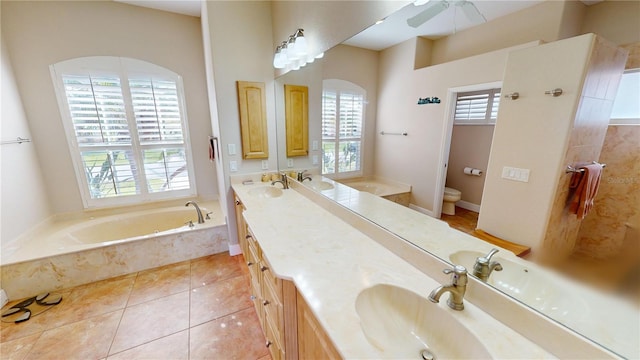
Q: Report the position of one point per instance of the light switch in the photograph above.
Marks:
(516, 174)
(314, 145)
(265, 165)
(233, 165)
(232, 149)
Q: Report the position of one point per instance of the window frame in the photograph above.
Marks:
(493, 93)
(623, 120)
(125, 69)
(340, 86)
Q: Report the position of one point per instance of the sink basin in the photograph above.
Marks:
(319, 185)
(266, 192)
(537, 289)
(402, 324)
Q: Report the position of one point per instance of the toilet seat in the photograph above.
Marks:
(452, 192)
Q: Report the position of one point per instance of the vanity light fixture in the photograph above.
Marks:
(293, 52)
(420, 2)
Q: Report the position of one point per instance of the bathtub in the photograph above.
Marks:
(76, 249)
(390, 190)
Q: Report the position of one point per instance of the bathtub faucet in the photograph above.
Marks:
(200, 217)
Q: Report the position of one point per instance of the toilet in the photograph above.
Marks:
(449, 200)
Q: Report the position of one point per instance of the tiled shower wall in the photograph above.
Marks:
(585, 141)
(603, 232)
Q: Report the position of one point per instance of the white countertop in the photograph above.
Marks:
(331, 262)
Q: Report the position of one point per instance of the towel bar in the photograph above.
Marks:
(570, 169)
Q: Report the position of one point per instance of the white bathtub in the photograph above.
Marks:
(71, 250)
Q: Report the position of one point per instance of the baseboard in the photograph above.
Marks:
(3, 298)
(469, 206)
(421, 209)
(234, 249)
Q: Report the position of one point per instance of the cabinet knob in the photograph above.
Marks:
(238, 202)
(264, 268)
(268, 343)
(266, 302)
(249, 263)
(247, 237)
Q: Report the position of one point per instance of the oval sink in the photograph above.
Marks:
(532, 286)
(319, 185)
(402, 324)
(266, 192)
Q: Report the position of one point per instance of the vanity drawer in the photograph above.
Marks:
(273, 310)
(272, 341)
(269, 277)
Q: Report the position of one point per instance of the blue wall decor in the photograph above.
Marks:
(433, 100)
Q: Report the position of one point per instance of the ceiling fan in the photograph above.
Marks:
(436, 7)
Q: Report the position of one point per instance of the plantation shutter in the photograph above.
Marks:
(97, 110)
(477, 107)
(157, 112)
(329, 114)
(351, 106)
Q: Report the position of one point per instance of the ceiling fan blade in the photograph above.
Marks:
(430, 12)
(471, 11)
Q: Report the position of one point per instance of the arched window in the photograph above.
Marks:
(126, 125)
(343, 106)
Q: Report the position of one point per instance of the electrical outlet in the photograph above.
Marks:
(233, 166)
(232, 149)
(290, 163)
(265, 165)
(314, 160)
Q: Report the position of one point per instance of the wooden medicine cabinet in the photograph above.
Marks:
(253, 120)
(296, 102)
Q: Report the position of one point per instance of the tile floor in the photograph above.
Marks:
(198, 309)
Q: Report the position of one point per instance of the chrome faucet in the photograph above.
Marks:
(302, 177)
(200, 217)
(484, 266)
(456, 289)
(283, 180)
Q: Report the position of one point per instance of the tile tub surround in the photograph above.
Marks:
(331, 261)
(103, 261)
(197, 309)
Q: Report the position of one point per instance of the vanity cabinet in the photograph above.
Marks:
(290, 328)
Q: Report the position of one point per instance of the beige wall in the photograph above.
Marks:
(42, 33)
(359, 66)
(616, 21)
(470, 146)
(23, 202)
(327, 23)
(540, 22)
(415, 159)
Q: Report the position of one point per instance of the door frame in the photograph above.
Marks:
(447, 132)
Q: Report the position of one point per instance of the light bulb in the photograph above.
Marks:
(420, 2)
(301, 46)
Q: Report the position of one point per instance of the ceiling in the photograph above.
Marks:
(394, 29)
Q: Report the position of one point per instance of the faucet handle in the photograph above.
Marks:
(459, 274)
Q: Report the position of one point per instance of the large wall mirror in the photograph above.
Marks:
(452, 67)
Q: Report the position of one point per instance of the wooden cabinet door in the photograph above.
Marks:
(313, 343)
(296, 102)
(253, 120)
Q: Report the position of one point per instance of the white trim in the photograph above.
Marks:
(624, 121)
(421, 210)
(469, 206)
(445, 139)
(234, 249)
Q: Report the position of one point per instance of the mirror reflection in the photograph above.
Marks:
(446, 161)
